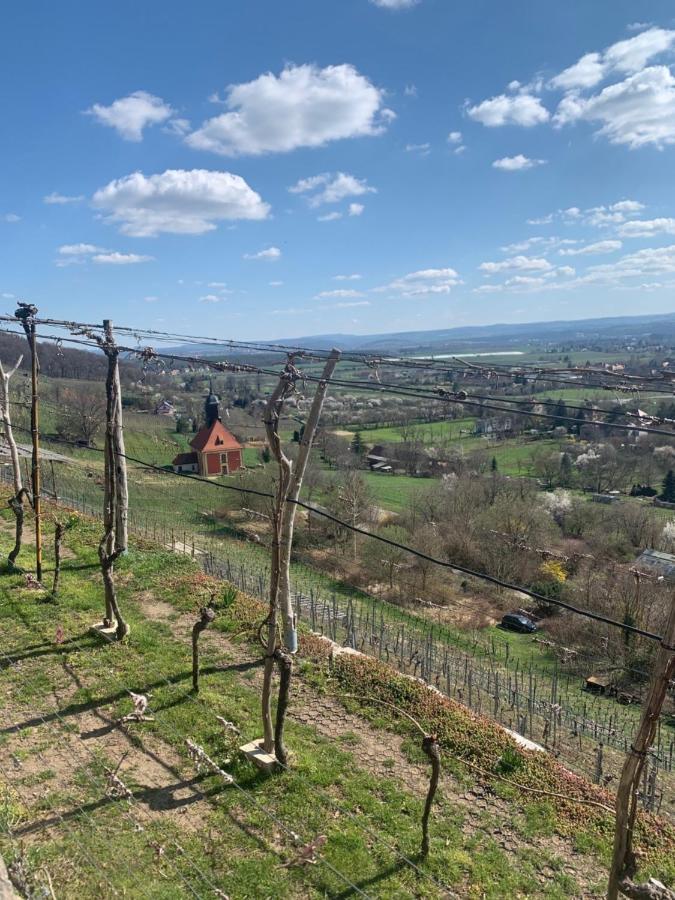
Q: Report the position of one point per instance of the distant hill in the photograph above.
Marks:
(501, 336)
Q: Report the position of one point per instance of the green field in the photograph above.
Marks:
(429, 431)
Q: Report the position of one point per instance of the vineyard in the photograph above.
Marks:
(125, 804)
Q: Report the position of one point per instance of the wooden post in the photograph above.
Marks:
(623, 860)
(26, 313)
(16, 501)
(116, 497)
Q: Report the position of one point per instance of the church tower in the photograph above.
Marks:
(211, 408)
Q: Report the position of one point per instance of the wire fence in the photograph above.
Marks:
(548, 708)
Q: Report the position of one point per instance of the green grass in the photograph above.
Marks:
(448, 429)
(237, 845)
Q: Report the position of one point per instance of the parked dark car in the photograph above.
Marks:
(518, 622)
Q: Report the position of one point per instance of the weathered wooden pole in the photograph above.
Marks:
(16, 502)
(623, 860)
(26, 313)
(115, 499)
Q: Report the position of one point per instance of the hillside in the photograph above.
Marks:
(357, 777)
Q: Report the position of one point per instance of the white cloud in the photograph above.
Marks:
(516, 163)
(60, 199)
(395, 4)
(334, 188)
(647, 227)
(151, 299)
(276, 283)
(342, 294)
(329, 217)
(421, 149)
(410, 90)
(626, 57)
(455, 137)
(356, 209)
(587, 72)
(130, 115)
(627, 206)
(79, 249)
(542, 220)
(637, 111)
(179, 127)
(590, 249)
(354, 277)
(11, 218)
(210, 298)
(178, 201)
(302, 107)
(270, 254)
(424, 282)
(519, 109)
(114, 258)
(520, 263)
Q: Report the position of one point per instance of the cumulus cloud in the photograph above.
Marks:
(331, 187)
(424, 282)
(517, 163)
(509, 109)
(77, 254)
(270, 254)
(177, 201)
(304, 106)
(130, 115)
(596, 216)
(113, 258)
(513, 263)
(626, 57)
(355, 209)
(56, 199)
(11, 218)
(329, 217)
(647, 227)
(590, 249)
(210, 298)
(79, 249)
(637, 111)
(353, 277)
(343, 294)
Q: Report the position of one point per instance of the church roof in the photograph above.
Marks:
(214, 437)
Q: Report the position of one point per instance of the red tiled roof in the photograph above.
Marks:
(214, 437)
(184, 459)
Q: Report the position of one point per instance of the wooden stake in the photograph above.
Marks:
(16, 502)
(26, 313)
(623, 859)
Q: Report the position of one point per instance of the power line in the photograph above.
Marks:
(437, 395)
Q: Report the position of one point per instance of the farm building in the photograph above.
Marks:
(165, 408)
(657, 563)
(215, 450)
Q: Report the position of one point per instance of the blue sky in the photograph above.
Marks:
(268, 169)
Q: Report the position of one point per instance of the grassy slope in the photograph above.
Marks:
(237, 846)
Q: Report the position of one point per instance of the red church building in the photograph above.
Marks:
(215, 450)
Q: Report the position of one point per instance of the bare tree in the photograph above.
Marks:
(113, 543)
(16, 502)
(283, 521)
(81, 416)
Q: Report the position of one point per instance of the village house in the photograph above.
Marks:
(215, 450)
(165, 408)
